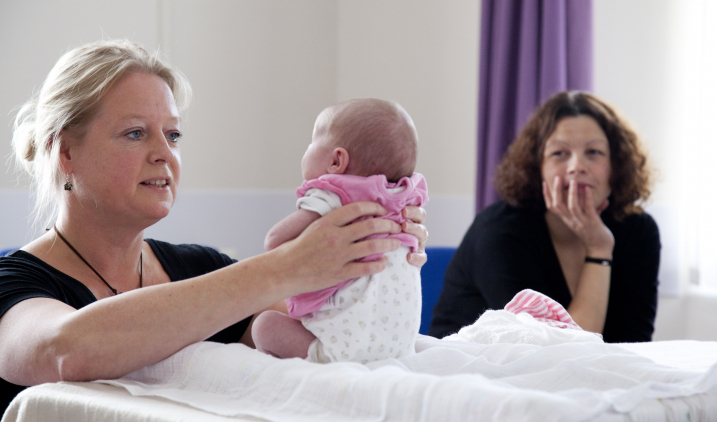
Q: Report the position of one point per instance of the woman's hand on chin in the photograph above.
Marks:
(415, 227)
(325, 253)
(581, 217)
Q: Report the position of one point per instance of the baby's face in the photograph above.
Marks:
(318, 157)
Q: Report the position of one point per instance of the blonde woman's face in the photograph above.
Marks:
(127, 164)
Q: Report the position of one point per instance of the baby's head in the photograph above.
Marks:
(362, 137)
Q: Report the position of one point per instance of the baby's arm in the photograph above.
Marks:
(289, 228)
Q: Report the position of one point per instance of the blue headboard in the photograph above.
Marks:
(4, 251)
(432, 281)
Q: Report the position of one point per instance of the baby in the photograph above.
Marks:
(361, 150)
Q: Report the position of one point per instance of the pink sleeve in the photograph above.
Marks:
(322, 183)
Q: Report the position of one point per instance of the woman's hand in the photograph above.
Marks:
(415, 227)
(581, 217)
(325, 253)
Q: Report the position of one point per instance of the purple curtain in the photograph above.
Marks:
(530, 50)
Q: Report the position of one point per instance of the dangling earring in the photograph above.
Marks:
(68, 185)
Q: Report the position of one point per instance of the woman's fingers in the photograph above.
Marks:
(324, 254)
(372, 247)
(360, 269)
(342, 217)
(555, 202)
(546, 195)
(572, 196)
(576, 200)
(415, 214)
(583, 218)
(568, 207)
(418, 231)
(590, 210)
(366, 228)
(579, 214)
(415, 227)
(348, 213)
(585, 202)
(557, 192)
(417, 259)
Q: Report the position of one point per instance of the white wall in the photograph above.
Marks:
(423, 54)
(35, 34)
(633, 71)
(634, 55)
(261, 71)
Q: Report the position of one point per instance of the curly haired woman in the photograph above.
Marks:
(570, 226)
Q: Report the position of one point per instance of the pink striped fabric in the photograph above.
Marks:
(543, 309)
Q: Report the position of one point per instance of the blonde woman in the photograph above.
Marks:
(91, 298)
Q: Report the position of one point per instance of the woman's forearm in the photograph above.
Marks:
(43, 340)
(113, 337)
(164, 319)
(589, 304)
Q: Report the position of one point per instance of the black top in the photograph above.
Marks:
(23, 276)
(508, 249)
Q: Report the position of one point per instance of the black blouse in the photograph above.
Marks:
(508, 249)
(23, 276)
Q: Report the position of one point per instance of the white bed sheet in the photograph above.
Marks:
(94, 402)
(556, 380)
(85, 402)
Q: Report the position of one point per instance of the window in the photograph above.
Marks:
(696, 95)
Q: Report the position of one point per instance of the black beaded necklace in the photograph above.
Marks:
(141, 266)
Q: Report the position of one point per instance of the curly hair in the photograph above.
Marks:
(519, 180)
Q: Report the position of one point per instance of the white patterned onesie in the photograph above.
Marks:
(370, 318)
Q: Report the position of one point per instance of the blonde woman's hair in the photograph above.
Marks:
(68, 99)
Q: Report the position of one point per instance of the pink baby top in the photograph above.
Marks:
(349, 188)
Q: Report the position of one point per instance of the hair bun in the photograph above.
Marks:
(23, 139)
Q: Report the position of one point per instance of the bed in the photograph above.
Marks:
(504, 367)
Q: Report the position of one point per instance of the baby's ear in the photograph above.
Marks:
(339, 161)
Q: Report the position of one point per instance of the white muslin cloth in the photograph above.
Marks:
(505, 366)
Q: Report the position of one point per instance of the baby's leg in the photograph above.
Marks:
(280, 335)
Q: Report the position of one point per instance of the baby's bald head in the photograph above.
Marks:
(379, 136)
